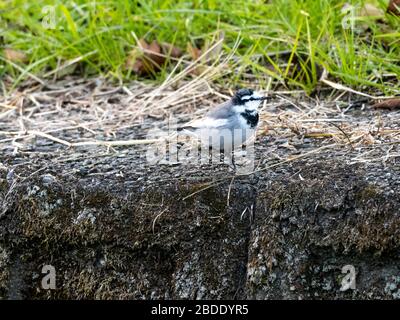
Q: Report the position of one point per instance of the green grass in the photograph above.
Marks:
(310, 32)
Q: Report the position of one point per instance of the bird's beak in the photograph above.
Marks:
(264, 98)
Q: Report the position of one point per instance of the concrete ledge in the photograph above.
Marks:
(281, 235)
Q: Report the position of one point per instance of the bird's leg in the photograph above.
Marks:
(233, 161)
(232, 164)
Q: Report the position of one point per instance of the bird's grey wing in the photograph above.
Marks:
(207, 123)
(218, 117)
(222, 111)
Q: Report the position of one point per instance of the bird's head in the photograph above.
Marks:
(248, 98)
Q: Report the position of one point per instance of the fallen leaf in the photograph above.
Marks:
(14, 55)
(136, 65)
(394, 7)
(194, 52)
(143, 44)
(390, 104)
(171, 51)
(146, 59)
(134, 62)
(154, 55)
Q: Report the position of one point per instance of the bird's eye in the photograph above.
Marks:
(249, 99)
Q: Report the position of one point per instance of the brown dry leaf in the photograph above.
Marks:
(145, 60)
(14, 55)
(154, 55)
(394, 7)
(149, 58)
(134, 62)
(390, 104)
(194, 52)
(170, 50)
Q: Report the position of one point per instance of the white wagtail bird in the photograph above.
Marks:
(229, 124)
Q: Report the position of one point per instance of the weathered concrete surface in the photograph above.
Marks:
(115, 227)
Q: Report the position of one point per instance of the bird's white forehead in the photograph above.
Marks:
(254, 95)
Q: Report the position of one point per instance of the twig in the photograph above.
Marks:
(342, 87)
(229, 191)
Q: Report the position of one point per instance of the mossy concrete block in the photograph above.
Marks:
(169, 233)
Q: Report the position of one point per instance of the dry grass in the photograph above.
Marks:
(77, 113)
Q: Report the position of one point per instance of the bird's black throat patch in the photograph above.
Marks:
(251, 118)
